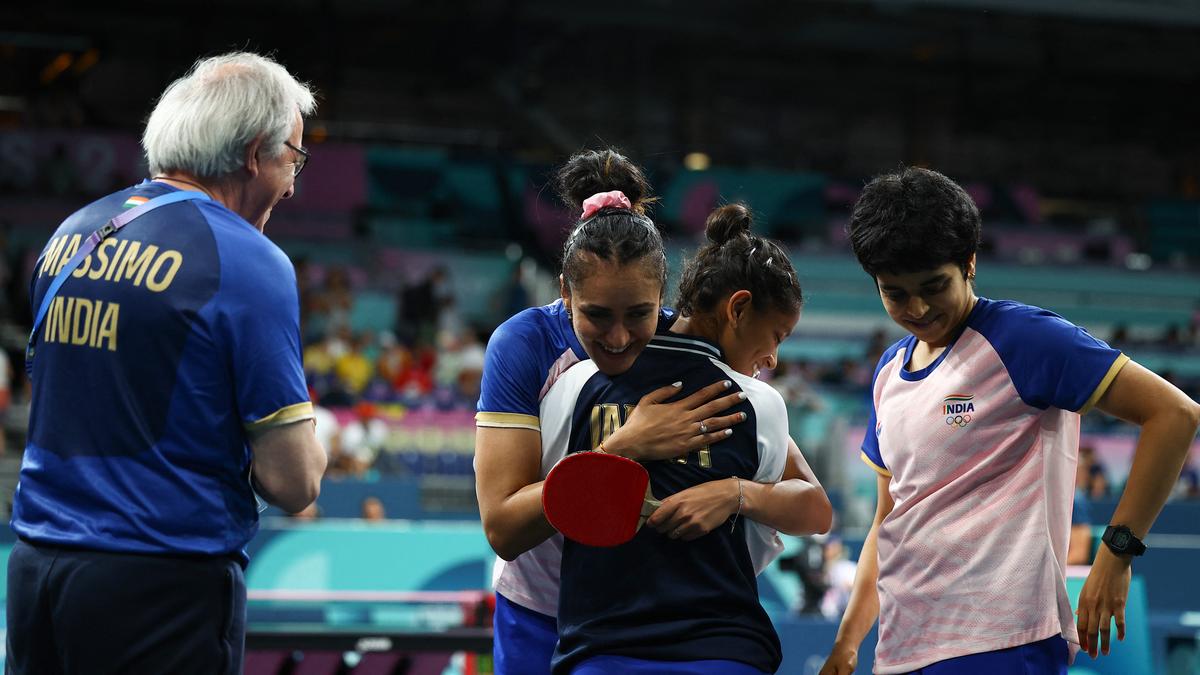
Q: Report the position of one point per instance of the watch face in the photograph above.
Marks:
(1120, 539)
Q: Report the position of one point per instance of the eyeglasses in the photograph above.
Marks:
(301, 161)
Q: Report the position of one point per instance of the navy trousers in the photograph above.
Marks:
(73, 612)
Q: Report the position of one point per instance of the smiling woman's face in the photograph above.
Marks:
(753, 344)
(931, 304)
(614, 311)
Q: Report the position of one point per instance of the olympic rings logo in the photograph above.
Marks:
(959, 421)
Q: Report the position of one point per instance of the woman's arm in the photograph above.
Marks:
(508, 484)
(863, 608)
(796, 505)
(1168, 421)
(508, 462)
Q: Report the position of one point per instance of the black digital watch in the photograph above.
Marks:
(1120, 540)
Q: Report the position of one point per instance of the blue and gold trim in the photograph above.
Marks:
(871, 463)
(292, 413)
(1105, 383)
(507, 421)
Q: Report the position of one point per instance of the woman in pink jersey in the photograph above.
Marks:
(974, 433)
(613, 279)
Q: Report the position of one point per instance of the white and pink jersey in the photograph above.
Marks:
(981, 448)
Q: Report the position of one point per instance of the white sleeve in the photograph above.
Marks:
(771, 424)
(557, 407)
(770, 412)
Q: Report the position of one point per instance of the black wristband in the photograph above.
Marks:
(1121, 541)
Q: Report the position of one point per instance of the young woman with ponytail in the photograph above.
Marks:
(613, 279)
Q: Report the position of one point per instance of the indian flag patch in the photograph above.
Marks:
(135, 201)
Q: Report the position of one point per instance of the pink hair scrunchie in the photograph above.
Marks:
(602, 200)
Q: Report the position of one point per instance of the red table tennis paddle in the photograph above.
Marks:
(597, 499)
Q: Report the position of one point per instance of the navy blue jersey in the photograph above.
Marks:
(176, 338)
(657, 598)
(525, 357)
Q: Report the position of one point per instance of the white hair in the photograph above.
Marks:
(205, 119)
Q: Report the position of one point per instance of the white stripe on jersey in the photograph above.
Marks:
(560, 366)
(696, 345)
(532, 579)
(557, 408)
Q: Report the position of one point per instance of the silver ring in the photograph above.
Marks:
(675, 534)
(703, 428)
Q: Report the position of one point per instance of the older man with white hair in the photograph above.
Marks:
(167, 390)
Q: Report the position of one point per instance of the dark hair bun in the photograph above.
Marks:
(593, 171)
(728, 222)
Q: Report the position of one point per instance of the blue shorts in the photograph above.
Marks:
(607, 665)
(523, 641)
(1044, 657)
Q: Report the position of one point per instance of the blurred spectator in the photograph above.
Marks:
(1098, 487)
(337, 300)
(839, 576)
(459, 365)
(360, 441)
(394, 359)
(320, 356)
(354, 368)
(372, 510)
(320, 361)
(514, 296)
(422, 304)
(415, 382)
(1090, 475)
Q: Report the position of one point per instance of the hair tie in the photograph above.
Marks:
(602, 200)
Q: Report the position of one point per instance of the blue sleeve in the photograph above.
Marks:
(259, 314)
(514, 371)
(1052, 362)
(870, 445)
